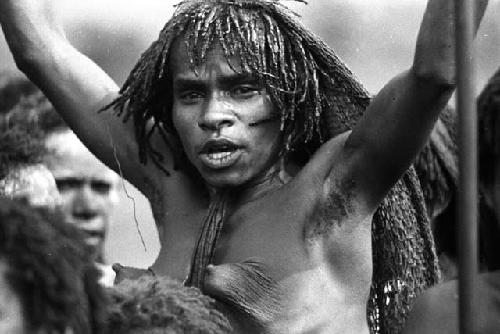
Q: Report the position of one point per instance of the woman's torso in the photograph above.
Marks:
(322, 283)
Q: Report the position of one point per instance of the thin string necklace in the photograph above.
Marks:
(207, 240)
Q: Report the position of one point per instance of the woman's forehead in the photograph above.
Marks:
(181, 61)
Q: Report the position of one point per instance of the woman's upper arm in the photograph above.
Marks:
(78, 88)
(392, 131)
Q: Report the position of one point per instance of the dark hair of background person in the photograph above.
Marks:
(151, 305)
(50, 268)
(488, 106)
(26, 117)
(445, 234)
(20, 136)
(437, 163)
(440, 187)
(19, 96)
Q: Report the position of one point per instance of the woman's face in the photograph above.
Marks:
(225, 120)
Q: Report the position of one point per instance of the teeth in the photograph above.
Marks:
(219, 157)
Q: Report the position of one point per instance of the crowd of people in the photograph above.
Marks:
(286, 198)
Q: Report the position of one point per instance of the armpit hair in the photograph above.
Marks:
(332, 209)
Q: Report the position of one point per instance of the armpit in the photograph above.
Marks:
(336, 206)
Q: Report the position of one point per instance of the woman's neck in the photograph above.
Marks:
(271, 180)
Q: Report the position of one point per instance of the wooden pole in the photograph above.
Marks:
(467, 195)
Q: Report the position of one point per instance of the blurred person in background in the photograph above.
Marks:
(436, 310)
(437, 169)
(45, 162)
(252, 130)
(88, 189)
(22, 172)
(48, 283)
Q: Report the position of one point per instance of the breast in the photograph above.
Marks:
(317, 303)
(248, 289)
(305, 302)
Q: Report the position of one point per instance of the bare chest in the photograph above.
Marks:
(269, 230)
(310, 301)
(272, 229)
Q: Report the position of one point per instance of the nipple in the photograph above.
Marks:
(246, 287)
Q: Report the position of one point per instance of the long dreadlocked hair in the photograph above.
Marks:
(316, 96)
(302, 75)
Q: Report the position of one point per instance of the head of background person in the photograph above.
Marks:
(436, 166)
(48, 281)
(36, 138)
(22, 174)
(154, 305)
(233, 86)
(88, 189)
(437, 169)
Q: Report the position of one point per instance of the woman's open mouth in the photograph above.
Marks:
(220, 153)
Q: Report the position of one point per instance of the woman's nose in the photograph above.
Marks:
(217, 114)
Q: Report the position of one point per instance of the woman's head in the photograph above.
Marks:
(303, 78)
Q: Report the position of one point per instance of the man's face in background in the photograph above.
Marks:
(88, 188)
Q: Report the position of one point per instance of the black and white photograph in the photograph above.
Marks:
(249, 167)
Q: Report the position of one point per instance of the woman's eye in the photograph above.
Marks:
(245, 91)
(190, 96)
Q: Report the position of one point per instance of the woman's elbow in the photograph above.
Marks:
(24, 61)
(442, 77)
